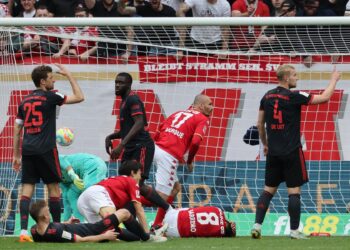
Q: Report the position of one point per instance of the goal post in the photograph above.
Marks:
(228, 172)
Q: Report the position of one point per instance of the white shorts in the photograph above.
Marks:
(171, 218)
(92, 200)
(166, 165)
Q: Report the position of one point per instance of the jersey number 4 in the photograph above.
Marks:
(34, 117)
(277, 114)
(180, 119)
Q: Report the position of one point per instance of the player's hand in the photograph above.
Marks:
(266, 149)
(16, 164)
(108, 144)
(62, 70)
(110, 235)
(79, 183)
(190, 167)
(116, 152)
(335, 74)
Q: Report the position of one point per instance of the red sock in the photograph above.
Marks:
(161, 212)
(146, 202)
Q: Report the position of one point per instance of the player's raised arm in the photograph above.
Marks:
(78, 95)
(328, 92)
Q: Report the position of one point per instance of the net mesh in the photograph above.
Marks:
(228, 172)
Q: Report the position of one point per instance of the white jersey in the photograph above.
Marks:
(201, 8)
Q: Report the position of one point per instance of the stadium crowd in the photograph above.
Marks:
(247, 39)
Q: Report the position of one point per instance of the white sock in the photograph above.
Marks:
(257, 226)
(23, 231)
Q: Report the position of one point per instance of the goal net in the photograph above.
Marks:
(235, 73)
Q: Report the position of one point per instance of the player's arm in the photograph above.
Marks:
(109, 139)
(108, 235)
(126, 10)
(193, 149)
(64, 48)
(16, 146)
(183, 9)
(78, 95)
(140, 214)
(328, 92)
(79, 183)
(135, 129)
(262, 131)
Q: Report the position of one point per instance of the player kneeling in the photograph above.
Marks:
(199, 222)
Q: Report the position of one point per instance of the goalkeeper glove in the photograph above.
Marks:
(79, 183)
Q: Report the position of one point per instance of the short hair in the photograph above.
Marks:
(199, 99)
(284, 70)
(127, 76)
(230, 230)
(128, 167)
(35, 209)
(39, 73)
(42, 7)
(81, 8)
(288, 3)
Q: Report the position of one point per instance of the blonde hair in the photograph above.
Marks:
(284, 70)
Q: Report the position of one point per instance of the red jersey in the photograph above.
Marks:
(121, 189)
(176, 132)
(245, 36)
(78, 43)
(201, 222)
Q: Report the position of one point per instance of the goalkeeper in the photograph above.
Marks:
(79, 171)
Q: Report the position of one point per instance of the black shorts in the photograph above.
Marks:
(42, 166)
(290, 168)
(142, 153)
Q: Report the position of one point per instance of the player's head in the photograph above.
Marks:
(123, 83)
(81, 11)
(39, 210)
(131, 168)
(42, 77)
(287, 76)
(42, 11)
(203, 104)
(288, 8)
(230, 230)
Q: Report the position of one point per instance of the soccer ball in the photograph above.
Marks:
(64, 136)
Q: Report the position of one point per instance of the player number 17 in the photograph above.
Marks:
(180, 119)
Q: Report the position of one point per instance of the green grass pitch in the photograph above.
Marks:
(283, 243)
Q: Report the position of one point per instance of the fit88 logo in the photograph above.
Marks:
(316, 223)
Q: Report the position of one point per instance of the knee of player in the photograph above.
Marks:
(123, 214)
(176, 189)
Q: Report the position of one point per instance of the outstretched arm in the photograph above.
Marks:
(328, 92)
(108, 235)
(78, 95)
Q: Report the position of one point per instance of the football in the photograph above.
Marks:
(64, 136)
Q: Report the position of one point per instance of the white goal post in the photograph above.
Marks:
(228, 172)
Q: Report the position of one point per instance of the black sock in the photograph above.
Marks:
(24, 211)
(55, 208)
(294, 211)
(133, 226)
(262, 206)
(126, 235)
(150, 194)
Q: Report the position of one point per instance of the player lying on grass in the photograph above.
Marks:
(114, 193)
(199, 222)
(79, 171)
(106, 229)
